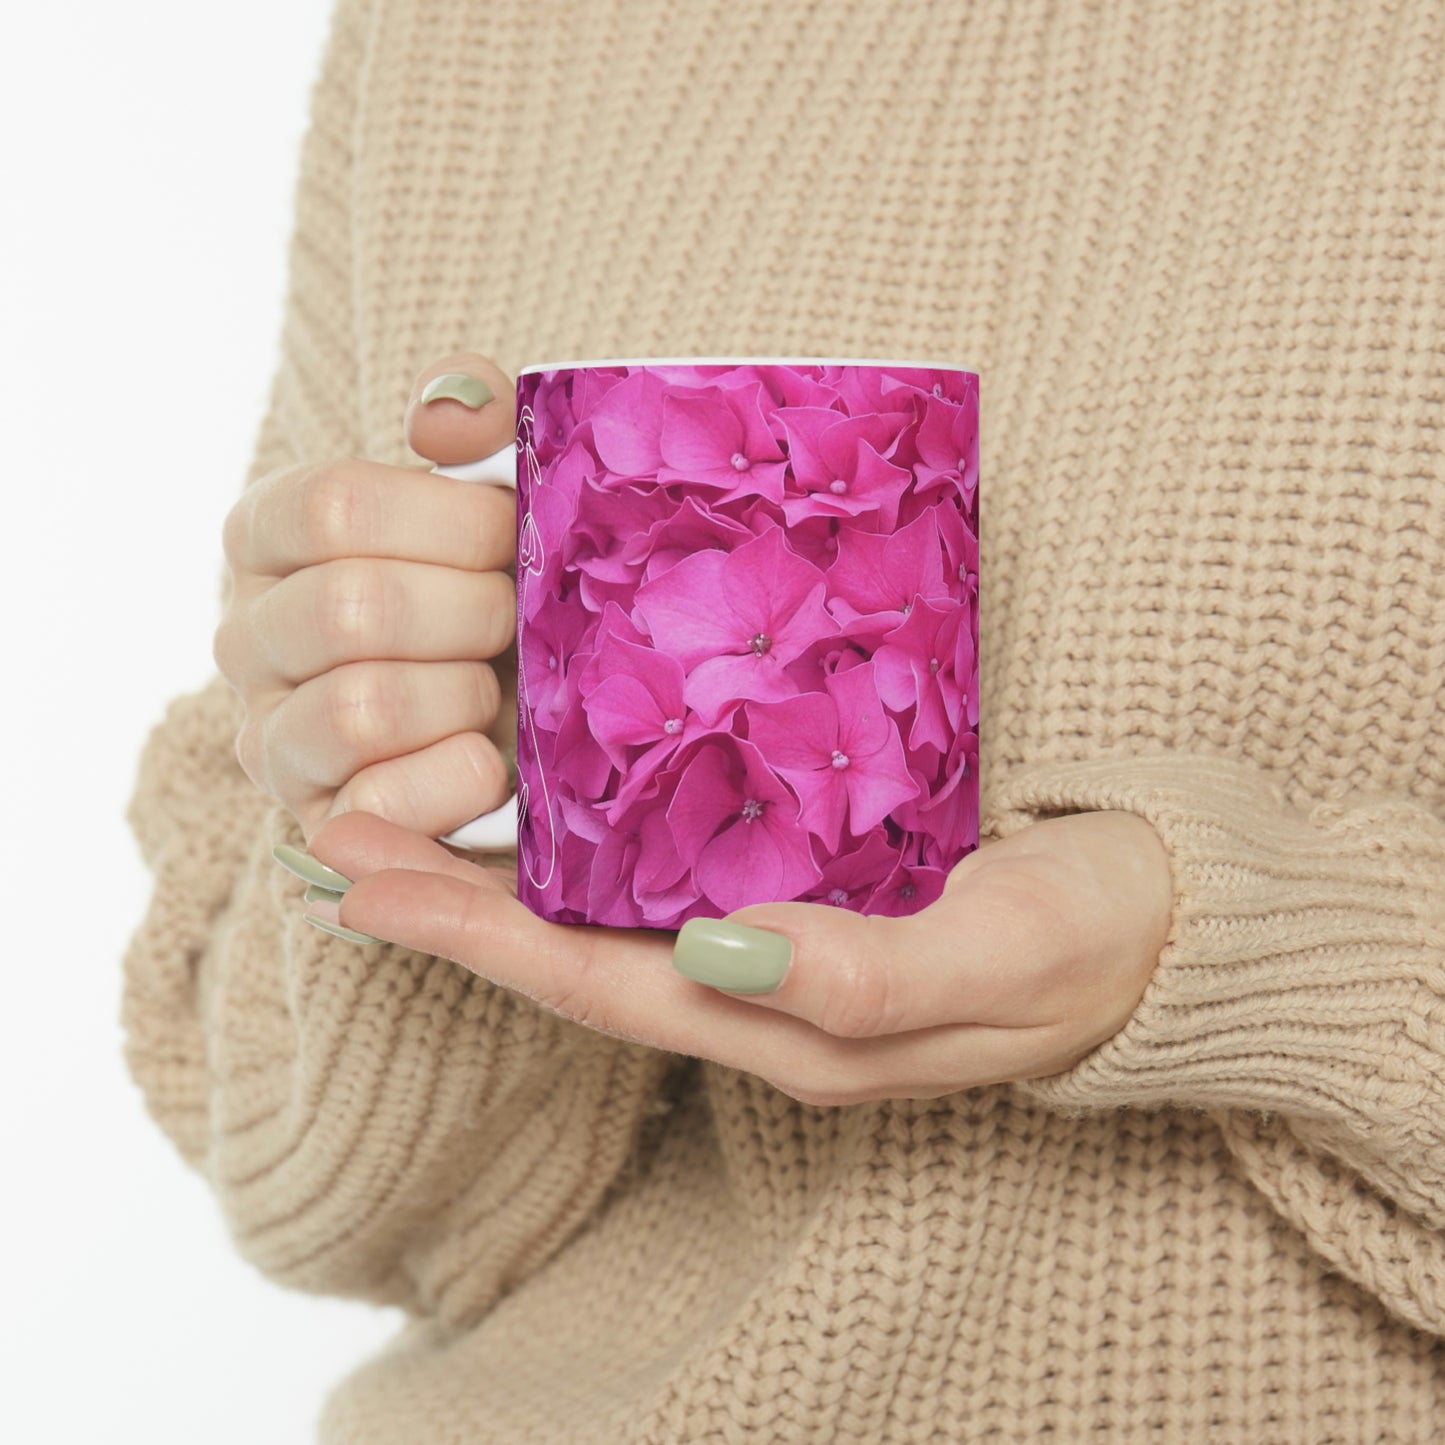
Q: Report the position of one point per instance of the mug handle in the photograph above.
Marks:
(495, 831)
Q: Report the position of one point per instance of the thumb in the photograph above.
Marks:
(462, 408)
(850, 974)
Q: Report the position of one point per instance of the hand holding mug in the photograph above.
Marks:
(1039, 948)
(744, 599)
(370, 628)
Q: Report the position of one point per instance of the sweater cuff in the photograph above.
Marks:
(1302, 971)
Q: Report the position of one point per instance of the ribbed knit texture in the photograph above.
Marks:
(1197, 253)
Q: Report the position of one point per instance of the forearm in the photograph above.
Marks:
(1303, 983)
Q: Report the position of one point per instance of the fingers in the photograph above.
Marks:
(1046, 936)
(967, 958)
(620, 981)
(1020, 935)
(357, 844)
(354, 507)
(434, 789)
(448, 429)
(330, 728)
(362, 608)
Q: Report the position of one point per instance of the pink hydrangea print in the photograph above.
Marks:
(747, 637)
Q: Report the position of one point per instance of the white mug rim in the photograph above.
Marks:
(587, 363)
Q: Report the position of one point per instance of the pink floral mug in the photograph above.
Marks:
(747, 635)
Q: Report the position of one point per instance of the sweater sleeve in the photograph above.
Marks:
(375, 1123)
(1299, 1000)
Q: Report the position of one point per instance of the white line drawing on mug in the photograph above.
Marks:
(531, 559)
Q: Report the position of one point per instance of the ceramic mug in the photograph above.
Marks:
(747, 635)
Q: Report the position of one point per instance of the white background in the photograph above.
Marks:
(148, 156)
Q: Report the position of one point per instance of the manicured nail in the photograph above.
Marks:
(348, 933)
(303, 865)
(732, 955)
(325, 910)
(471, 391)
(317, 894)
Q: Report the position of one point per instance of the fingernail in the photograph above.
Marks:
(732, 955)
(327, 909)
(471, 391)
(348, 933)
(303, 865)
(317, 894)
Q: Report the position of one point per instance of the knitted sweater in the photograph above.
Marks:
(1197, 254)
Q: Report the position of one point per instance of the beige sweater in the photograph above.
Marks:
(1197, 253)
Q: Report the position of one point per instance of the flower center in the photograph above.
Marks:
(933, 664)
(963, 571)
(672, 725)
(740, 462)
(761, 644)
(907, 891)
(840, 760)
(905, 607)
(838, 895)
(552, 663)
(837, 486)
(938, 388)
(558, 434)
(962, 465)
(752, 808)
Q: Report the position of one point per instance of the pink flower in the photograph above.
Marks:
(947, 445)
(917, 667)
(686, 527)
(580, 766)
(838, 750)
(551, 422)
(663, 885)
(946, 811)
(718, 437)
(639, 699)
(637, 713)
(749, 647)
(838, 467)
(659, 886)
(553, 517)
(735, 619)
(607, 520)
(850, 879)
(736, 825)
(877, 576)
(627, 423)
(908, 888)
(789, 386)
(544, 651)
(886, 390)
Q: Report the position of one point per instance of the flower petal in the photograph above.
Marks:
(684, 612)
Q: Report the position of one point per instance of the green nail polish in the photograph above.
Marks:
(317, 894)
(303, 865)
(340, 932)
(471, 391)
(732, 955)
